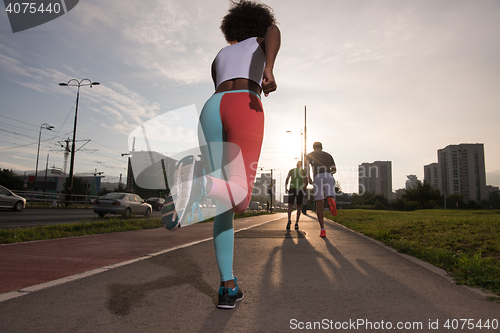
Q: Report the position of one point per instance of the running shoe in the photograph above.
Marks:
(296, 226)
(169, 217)
(228, 297)
(187, 191)
(288, 225)
(333, 206)
(322, 233)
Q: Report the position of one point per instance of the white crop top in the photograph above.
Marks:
(245, 59)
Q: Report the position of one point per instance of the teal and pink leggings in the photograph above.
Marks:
(232, 126)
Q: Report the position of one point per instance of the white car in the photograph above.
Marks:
(10, 200)
(124, 204)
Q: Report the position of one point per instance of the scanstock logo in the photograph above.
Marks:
(25, 15)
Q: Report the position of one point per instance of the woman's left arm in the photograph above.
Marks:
(214, 74)
(272, 42)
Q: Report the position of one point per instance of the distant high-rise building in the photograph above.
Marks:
(462, 171)
(376, 178)
(492, 189)
(431, 174)
(398, 194)
(262, 185)
(411, 182)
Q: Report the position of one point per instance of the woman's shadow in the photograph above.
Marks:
(123, 296)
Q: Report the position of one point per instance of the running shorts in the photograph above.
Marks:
(295, 194)
(324, 185)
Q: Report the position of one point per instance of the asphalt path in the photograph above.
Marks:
(292, 281)
(30, 217)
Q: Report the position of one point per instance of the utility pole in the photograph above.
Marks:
(305, 133)
(304, 165)
(46, 168)
(271, 193)
(74, 83)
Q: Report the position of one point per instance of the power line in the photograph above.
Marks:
(24, 136)
(17, 133)
(22, 128)
(20, 146)
(36, 126)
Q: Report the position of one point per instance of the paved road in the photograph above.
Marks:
(292, 281)
(32, 216)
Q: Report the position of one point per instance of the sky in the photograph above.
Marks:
(381, 80)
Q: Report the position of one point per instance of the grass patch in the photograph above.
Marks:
(101, 226)
(86, 228)
(465, 243)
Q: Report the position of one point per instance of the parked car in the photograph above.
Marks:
(156, 203)
(124, 204)
(255, 206)
(10, 200)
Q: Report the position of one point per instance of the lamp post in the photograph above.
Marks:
(302, 157)
(75, 83)
(305, 132)
(49, 128)
(304, 152)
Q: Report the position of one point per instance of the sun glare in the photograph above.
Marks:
(292, 146)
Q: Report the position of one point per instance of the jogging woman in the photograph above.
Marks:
(232, 123)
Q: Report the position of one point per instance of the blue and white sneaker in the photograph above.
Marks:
(169, 217)
(185, 195)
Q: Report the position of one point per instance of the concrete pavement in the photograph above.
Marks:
(292, 281)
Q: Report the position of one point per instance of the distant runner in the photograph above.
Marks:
(298, 184)
(323, 166)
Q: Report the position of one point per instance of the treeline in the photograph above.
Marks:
(423, 196)
(10, 180)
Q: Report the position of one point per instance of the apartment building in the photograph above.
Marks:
(376, 178)
(431, 174)
(411, 182)
(461, 170)
(262, 185)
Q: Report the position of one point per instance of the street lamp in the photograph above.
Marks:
(75, 83)
(302, 157)
(303, 135)
(49, 128)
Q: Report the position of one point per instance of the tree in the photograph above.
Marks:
(404, 205)
(455, 201)
(10, 180)
(493, 201)
(423, 193)
(121, 188)
(338, 188)
(80, 186)
(473, 204)
(361, 199)
(371, 200)
(378, 201)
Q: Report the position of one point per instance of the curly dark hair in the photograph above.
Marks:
(246, 19)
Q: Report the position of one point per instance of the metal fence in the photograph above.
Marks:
(46, 199)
